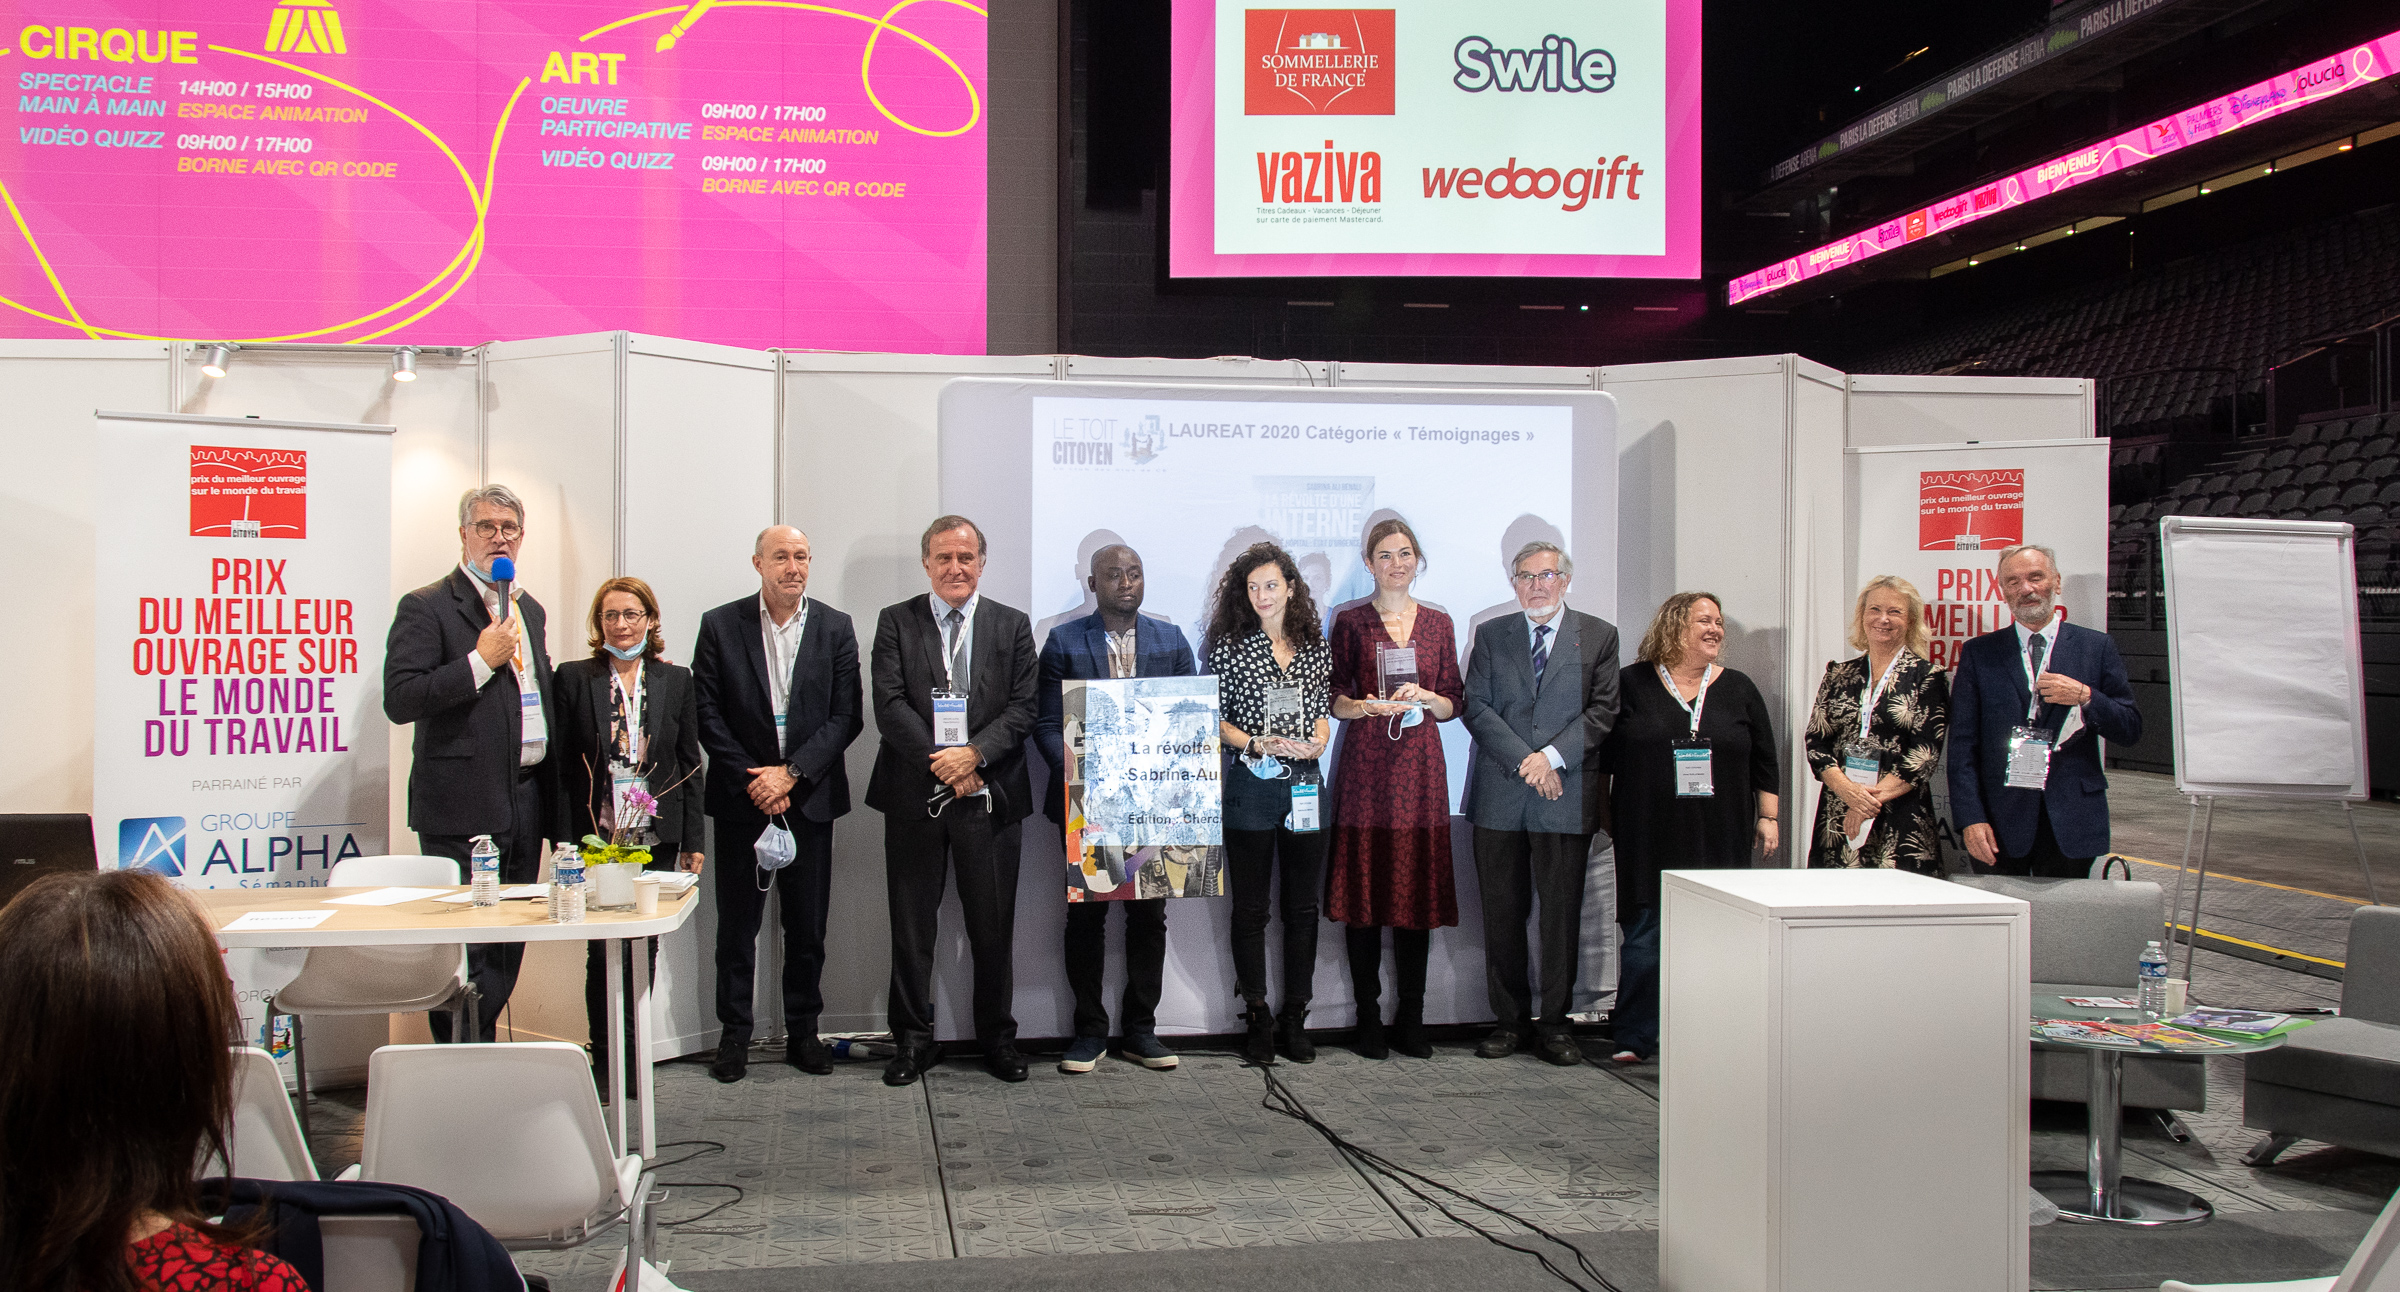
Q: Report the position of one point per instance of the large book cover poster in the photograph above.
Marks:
(1144, 814)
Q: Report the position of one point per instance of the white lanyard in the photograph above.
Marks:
(630, 705)
(1698, 702)
(1866, 706)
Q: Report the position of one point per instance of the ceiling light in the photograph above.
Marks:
(214, 364)
(1974, 262)
(404, 364)
(2343, 146)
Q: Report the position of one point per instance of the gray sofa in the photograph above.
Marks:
(2087, 941)
(2338, 1080)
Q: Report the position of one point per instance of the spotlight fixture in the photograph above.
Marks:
(404, 364)
(214, 364)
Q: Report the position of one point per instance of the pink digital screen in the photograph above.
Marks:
(2290, 92)
(749, 172)
(1551, 138)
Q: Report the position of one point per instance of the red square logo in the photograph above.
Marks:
(249, 493)
(1970, 511)
(1317, 63)
(1916, 225)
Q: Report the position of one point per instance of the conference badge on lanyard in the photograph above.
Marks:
(2028, 758)
(1695, 772)
(1862, 762)
(949, 718)
(1302, 819)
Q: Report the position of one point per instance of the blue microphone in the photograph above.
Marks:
(504, 573)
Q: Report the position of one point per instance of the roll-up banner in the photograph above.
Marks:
(1937, 515)
(242, 585)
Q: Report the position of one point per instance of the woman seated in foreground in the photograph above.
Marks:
(116, 1073)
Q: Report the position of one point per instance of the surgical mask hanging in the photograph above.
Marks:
(1266, 767)
(774, 851)
(634, 653)
(1399, 722)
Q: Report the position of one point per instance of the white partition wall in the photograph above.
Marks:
(1937, 410)
(1731, 476)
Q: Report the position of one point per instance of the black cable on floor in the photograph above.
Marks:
(708, 1146)
(1280, 1099)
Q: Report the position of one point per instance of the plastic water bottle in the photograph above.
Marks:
(845, 1048)
(2154, 983)
(483, 865)
(566, 885)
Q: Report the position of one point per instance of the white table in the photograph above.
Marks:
(430, 920)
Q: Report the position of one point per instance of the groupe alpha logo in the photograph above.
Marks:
(1554, 66)
(1099, 441)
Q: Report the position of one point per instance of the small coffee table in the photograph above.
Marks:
(2101, 1193)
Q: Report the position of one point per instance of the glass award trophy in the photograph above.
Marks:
(1395, 667)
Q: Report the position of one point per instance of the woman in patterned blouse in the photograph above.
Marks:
(1268, 651)
(116, 1077)
(1877, 809)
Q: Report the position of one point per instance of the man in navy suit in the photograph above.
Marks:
(477, 685)
(2050, 680)
(777, 681)
(1114, 641)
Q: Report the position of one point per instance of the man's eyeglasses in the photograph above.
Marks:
(627, 617)
(499, 529)
(1543, 577)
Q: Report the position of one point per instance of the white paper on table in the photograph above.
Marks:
(678, 880)
(519, 892)
(249, 920)
(386, 896)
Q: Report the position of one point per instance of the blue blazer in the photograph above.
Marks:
(1078, 648)
(1989, 696)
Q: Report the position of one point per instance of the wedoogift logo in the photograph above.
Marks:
(151, 843)
(1317, 62)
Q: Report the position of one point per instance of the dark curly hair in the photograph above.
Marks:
(1234, 618)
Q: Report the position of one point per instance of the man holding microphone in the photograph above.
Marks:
(466, 662)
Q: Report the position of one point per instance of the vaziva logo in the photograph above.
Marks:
(1552, 67)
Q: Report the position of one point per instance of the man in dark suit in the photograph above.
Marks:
(952, 789)
(477, 685)
(777, 676)
(1541, 696)
(2066, 685)
(1114, 641)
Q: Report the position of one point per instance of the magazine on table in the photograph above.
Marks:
(2080, 1033)
(2245, 1024)
(2169, 1038)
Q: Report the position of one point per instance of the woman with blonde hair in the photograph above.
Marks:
(1875, 736)
(1694, 779)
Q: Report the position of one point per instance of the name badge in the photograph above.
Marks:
(1862, 763)
(1302, 819)
(1695, 775)
(949, 718)
(781, 720)
(2028, 758)
(529, 703)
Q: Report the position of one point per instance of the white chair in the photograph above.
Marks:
(362, 1253)
(377, 980)
(2374, 1267)
(510, 1133)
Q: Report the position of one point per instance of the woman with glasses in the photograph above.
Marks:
(1395, 675)
(628, 729)
(1695, 780)
(1268, 652)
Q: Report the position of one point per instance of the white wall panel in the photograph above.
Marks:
(1935, 410)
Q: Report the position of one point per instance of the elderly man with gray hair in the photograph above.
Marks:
(1541, 696)
(465, 662)
(2026, 789)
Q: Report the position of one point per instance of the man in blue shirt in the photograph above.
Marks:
(1115, 641)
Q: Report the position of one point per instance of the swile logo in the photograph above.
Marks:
(1552, 67)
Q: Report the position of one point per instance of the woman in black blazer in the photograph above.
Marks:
(626, 712)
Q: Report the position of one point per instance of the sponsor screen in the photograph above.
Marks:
(749, 172)
(1436, 137)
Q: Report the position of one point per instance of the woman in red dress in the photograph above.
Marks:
(115, 1079)
(1390, 862)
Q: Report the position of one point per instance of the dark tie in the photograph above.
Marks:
(2033, 661)
(958, 638)
(1541, 653)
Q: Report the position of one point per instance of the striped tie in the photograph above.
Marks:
(958, 638)
(1541, 653)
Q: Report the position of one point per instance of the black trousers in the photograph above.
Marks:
(492, 966)
(1252, 858)
(1411, 948)
(920, 854)
(1518, 869)
(2043, 860)
(805, 888)
(1145, 964)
